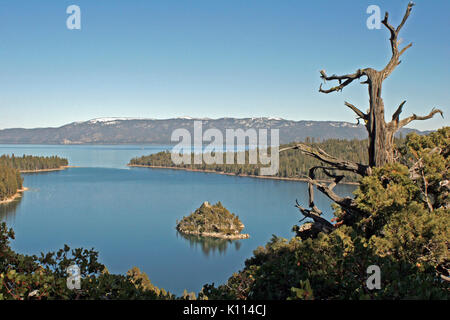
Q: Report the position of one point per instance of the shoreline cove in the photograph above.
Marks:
(233, 174)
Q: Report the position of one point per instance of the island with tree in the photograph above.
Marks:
(212, 221)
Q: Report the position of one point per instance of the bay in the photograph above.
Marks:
(129, 214)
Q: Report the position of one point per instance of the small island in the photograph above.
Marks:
(212, 221)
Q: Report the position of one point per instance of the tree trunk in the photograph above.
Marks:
(381, 148)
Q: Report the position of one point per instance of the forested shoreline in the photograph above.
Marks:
(293, 163)
(33, 163)
(10, 182)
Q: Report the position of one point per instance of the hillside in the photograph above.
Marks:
(153, 131)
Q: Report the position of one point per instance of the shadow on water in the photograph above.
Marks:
(8, 210)
(209, 245)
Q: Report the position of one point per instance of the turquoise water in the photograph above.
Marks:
(129, 214)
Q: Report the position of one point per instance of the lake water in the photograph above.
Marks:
(129, 214)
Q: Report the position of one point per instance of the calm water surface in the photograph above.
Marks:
(129, 214)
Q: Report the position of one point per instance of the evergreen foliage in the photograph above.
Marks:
(45, 277)
(10, 182)
(31, 163)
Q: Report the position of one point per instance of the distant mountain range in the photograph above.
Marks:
(157, 131)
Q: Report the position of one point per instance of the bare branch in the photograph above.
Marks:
(336, 178)
(404, 49)
(348, 79)
(320, 224)
(355, 75)
(396, 115)
(405, 17)
(389, 26)
(417, 172)
(323, 224)
(311, 192)
(360, 114)
(346, 202)
(333, 161)
(312, 176)
(394, 61)
(405, 121)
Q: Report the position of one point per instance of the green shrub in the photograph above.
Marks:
(403, 228)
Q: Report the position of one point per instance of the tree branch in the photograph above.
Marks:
(359, 113)
(347, 202)
(394, 61)
(390, 27)
(404, 49)
(312, 176)
(323, 224)
(339, 164)
(405, 121)
(349, 78)
(320, 224)
(311, 192)
(405, 17)
(396, 115)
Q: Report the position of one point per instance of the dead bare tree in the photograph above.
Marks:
(381, 134)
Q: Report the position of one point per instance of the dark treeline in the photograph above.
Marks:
(293, 164)
(30, 163)
(10, 182)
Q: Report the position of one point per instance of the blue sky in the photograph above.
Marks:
(203, 58)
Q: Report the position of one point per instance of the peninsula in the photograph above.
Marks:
(293, 164)
(30, 164)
